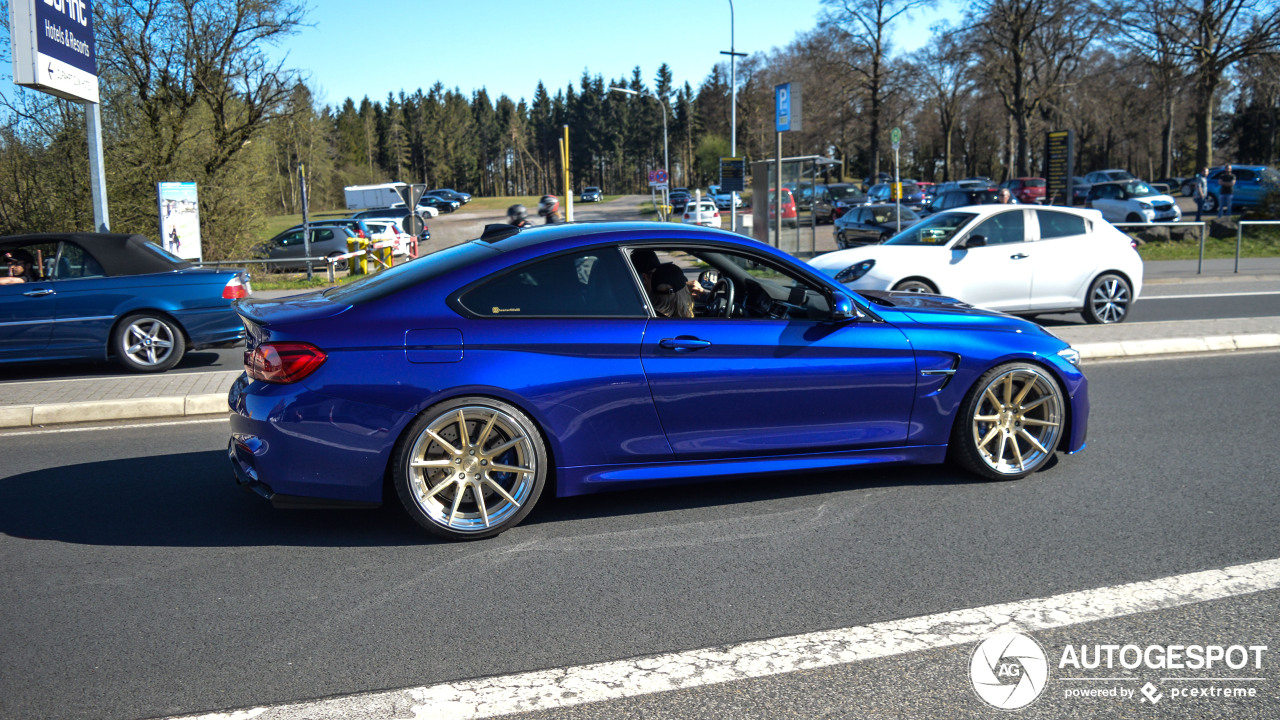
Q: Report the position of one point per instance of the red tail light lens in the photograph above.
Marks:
(283, 362)
(236, 288)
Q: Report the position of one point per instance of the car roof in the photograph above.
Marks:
(118, 254)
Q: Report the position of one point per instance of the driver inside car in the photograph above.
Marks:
(670, 294)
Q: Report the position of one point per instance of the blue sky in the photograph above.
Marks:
(374, 47)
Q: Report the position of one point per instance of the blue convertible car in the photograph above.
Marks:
(93, 296)
(625, 355)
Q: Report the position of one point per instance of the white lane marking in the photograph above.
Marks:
(1193, 296)
(569, 686)
(93, 428)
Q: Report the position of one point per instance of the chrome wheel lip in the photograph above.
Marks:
(468, 495)
(1015, 427)
(148, 341)
(1110, 300)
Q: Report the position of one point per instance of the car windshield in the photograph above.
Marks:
(937, 230)
(1034, 182)
(844, 193)
(1139, 189)
(1120, 175)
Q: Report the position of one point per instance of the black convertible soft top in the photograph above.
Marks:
(117, 254)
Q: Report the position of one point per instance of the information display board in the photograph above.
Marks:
(1059, 165)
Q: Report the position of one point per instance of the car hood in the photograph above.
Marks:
(944, 312)
(833, 262)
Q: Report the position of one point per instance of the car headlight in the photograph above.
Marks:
(1071, 355)
(853, 272)
(1144, 206)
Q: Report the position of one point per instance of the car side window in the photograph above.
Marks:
(1003, 228)
(293, 238)
(595, 283)
(74, 262)
(323, 234)
(1245, 175)
(1054, 224)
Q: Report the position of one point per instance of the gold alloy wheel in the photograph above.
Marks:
(1017, 421)
(473, 469)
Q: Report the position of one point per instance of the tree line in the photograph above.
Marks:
(191, 92)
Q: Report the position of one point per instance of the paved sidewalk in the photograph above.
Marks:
(124, 397)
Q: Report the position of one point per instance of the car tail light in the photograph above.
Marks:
(283, 362)
(236, 288)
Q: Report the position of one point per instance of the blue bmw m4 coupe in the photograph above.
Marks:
(623, 355)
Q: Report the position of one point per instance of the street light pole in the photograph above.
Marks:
(733, 115)
(666, 164)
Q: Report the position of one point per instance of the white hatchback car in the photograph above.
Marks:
(1020, 259)
(390, 230)
(702, 212)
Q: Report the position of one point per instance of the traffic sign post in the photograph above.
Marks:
(895, 136)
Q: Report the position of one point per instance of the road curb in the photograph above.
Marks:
(15, 416)
(1177, 346)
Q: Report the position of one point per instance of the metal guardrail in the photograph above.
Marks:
(1240, 234)
(1204, 228)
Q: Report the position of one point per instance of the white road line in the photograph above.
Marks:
(94, 428)
(568, 686)
(1193, 296)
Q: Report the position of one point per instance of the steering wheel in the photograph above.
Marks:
(720, 301)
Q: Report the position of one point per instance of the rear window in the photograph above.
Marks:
(416, 271)
(1035, 182)
(1054, 224)
(585, 283)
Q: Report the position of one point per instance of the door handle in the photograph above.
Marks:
(1019, 256)
(38, 293)
(683, 344)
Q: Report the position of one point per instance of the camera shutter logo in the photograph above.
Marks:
(1008, 671)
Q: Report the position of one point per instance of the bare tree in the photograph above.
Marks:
(866, 25)
(1029, 50)
(1211, 36)
(943, 74)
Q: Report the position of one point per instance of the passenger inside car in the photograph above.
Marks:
(19, 263)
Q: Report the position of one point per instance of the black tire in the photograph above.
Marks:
(1210, 203)
(147, 342)
(1133, 218)
(916, 286)
(450, 492)
(994, 423)
(1109, 300)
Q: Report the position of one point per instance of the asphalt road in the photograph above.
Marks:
(140, 582)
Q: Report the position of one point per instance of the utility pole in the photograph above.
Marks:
(733, 115)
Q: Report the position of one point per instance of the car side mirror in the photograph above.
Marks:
(843, 309)
(975, 241)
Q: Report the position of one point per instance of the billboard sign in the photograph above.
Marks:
(180, 220)
(53, 47)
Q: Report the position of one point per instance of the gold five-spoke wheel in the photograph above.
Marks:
(471, 468)
(1015, 420)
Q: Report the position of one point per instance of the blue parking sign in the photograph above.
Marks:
(787, 113)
